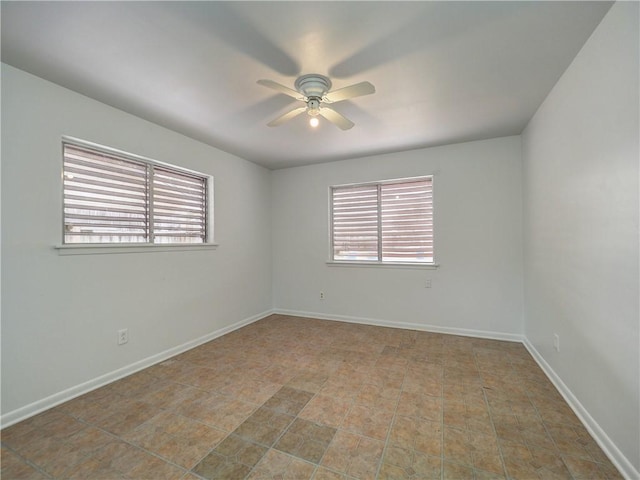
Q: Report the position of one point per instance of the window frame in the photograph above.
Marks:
(380, 263)
(70, 248)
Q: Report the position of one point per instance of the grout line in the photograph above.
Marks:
(284, 431)
(391, 425)
(493, 426)
(544, 425)
(476, 350)
(119, 438)
(173, 412)
(28, 462)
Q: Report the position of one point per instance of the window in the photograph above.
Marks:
(112, 197)
(383, 222)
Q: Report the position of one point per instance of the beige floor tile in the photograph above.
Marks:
(412, 433)
(458, 415)
(278, 374)
(174, 444)
(392, 363)
(326, 410)
(123, 419)
(233, 458)
(549, 463)
(583, 469)
(94, 470)
(403, 463)
(454, 471)
(152, 468)
(264, 426)
(378, 397)
(134, 385)
(276, 465)
(12, 467)
(423, 385)
(326, 474)
(289, 401)
(368, 421)
(167, 396)
(422, 406)
(306, 440)
(57, 458)
(317, 399)
(218, 411)
(343, 388)
(308, 381)
(185, 452)
(482, 475)
(89, 440)
(571, 440)
(353, 455)
(252, 391)
(473, 449)
(120, 460)
(383, 378)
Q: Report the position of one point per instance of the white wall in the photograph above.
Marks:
(478, 238)
(581, 157)
(60, 314)
(581, 249)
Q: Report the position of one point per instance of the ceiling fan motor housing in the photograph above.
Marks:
(313, 85)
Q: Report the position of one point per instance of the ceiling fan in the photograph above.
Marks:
(314, 90)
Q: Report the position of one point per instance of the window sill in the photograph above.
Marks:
(94, 249)
(425, 266)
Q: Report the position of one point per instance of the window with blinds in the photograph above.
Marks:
(113, 198)
(383, 222)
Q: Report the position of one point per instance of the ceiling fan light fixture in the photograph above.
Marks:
(313, 106)
(315, 91)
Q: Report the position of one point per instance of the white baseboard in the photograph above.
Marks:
(509, 337)
(608, 447)
(51, 401)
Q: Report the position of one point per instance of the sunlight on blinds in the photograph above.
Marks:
(383, 222)
(115, 199)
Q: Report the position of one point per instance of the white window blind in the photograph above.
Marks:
(111, 198)
(355, 222)
(179, 207)
(406, 211)
(387, 222)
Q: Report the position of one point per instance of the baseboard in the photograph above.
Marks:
(608, 447)
(51, 401)
(509, 337)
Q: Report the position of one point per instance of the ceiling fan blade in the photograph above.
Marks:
(282, 89)
(287, 116)
(337, 119)
(357, 90)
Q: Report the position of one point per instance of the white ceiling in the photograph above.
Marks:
(444, 72)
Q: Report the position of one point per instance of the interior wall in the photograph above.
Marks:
(478, 236)
(581, 241)
(60, 313)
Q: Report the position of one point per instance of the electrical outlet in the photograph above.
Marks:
(321, 295)
(427, 283)
(556, 342)
(123, 336)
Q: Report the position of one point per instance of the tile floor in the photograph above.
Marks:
(293, 398)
